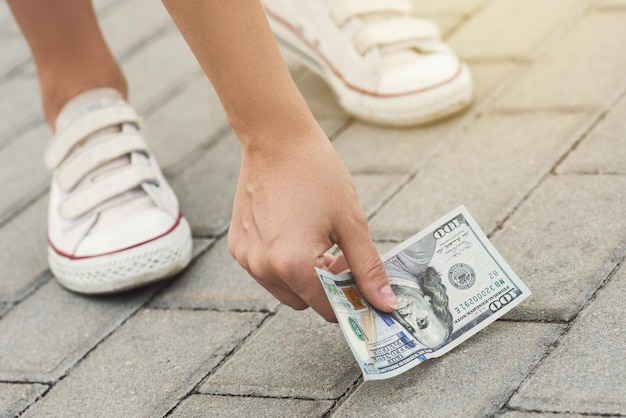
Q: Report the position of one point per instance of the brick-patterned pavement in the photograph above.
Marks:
(539, 160)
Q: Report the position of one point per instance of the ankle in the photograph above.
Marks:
(56, 94)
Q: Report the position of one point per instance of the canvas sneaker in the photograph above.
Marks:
(113, 220)
(382, 63)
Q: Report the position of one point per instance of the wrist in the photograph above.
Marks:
(279, 136)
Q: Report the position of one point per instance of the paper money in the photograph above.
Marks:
(450, 282)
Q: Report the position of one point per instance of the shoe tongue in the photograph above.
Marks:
(84, 103)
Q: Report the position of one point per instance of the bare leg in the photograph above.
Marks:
(69, 50)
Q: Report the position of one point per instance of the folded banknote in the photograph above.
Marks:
(450, 282)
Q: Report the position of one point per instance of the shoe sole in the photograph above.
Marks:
(411, 109)
(138, 266)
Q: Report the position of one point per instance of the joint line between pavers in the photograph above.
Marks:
(568, 326)
(580, 134)
(222, 134)
(173, 307)
(17, 70)
(31, 122)
(25, 293)
(583, 132)
(596, 172)
(22, 205)
(533, 321)
(562, 413)
(174, 91)
(466, 17)
(227, 356)
(153, 37)
(341, 129)
(33, 401)
(391, 191)
(556, 110)
(344, 397)
(610, 9)
(568, 24)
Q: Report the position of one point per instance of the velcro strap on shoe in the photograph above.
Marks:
(84, 160)
(122, 180)
(347, 9)
(394, 31)
(93, 121)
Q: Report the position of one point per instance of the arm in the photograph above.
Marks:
(295, 198)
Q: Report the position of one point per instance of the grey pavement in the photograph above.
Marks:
(539, 160)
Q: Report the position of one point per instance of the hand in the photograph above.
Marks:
(292, 204)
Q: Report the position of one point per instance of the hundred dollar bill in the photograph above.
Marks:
(450, 282)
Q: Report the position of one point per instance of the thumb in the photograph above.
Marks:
(368, 270)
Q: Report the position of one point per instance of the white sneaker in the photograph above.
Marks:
(113, 221)
(383, 64)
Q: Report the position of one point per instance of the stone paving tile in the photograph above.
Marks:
(8, 26)
(22, 170)
(332, 125)
(489, 168)
(14, 398)
(216, 281)
(47, 333)
(618, 4)
(23, 258)
(385, 246)
(604, 149)
(366, 148)
(4, 307)
(370, 149)
(14, 53)
(100, 5)
(446, 23)
(520, 414)
(206, 189)
(563, 241)
(447, 6)
(62, 326)
(19, 105)
(156, 358)
(293, 63)
(158, 67)
(295, 354)
(511, 29)
(595, 347)
(375, 188)
(128, 24)
(473, 380)
(200, 406)
(5, 12)
(131, 22)
(200, 245)
(190, 120)
(318, 96)
(487, 77)
(555, 79)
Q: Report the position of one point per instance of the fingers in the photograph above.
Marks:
(290, 278)
(364, 261)
(336, 264)
(310, 288)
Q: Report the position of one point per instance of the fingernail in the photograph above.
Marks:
(388, 296)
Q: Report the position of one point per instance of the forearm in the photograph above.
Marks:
(234, 45)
